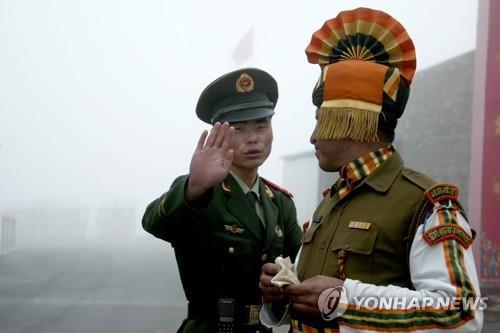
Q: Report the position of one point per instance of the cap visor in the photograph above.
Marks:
(245, 115)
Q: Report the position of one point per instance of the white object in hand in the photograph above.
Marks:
(287, 275)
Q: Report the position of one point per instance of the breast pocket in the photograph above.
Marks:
(358, 247)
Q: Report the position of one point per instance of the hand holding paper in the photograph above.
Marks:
(287, 275)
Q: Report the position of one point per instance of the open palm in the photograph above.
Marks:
(211, 160)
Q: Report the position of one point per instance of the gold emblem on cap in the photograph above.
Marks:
(244, 83)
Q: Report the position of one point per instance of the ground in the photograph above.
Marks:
(127, 287)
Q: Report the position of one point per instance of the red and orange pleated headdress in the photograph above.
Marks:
(367, 63)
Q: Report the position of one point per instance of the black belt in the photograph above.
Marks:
(226, 310)
(229, 315)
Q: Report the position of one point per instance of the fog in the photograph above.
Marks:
(97, 98)
(97, 117)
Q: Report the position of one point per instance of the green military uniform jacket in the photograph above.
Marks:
(376, 250)
(220, 249)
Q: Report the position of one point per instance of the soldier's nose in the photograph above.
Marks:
(312, 140)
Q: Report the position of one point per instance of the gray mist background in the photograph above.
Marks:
(97, 118)
(97, 98)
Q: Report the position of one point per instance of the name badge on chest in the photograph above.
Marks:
(359, 225)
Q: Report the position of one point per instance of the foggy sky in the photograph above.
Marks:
(97, 97)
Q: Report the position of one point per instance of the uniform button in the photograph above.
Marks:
(322, 245)
(264, 257)
(231, 249)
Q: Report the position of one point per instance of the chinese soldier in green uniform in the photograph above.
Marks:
(223, 220)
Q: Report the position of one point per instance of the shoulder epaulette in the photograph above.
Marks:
(439, 193)
(442, 193)
(417, 178)
(277, 188)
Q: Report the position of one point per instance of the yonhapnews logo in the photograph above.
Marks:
(332, 303)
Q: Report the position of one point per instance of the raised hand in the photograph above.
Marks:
(211, 160)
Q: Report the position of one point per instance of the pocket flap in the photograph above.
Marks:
(356, 241)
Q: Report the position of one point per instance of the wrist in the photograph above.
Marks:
(194, 191)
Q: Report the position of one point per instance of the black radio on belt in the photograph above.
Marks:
(226, 308)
